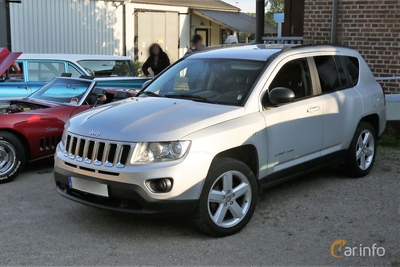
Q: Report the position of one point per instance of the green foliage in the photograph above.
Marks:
(273, 6)
(137, 66)
(389, 138)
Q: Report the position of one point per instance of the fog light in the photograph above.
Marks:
(163, 185)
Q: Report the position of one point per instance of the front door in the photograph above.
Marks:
(204, 34)
(14, 84)
(295, 130)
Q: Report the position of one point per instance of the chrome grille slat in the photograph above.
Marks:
(85, 150)
(78, 142)
(71, 156)
(95, 151)
(104, 153)
(117, 154)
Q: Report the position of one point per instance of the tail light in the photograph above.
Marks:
(384, 96)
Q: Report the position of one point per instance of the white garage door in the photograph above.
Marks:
(156, 27)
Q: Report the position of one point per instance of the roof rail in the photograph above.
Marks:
(312, 45)
(259, 46)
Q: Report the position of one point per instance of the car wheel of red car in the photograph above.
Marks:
(12, 157)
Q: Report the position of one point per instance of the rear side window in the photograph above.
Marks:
(328, 74)
(352, 66)
(44, 71)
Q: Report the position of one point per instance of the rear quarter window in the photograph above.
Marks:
(352, 67)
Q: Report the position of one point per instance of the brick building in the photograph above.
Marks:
(370, 26)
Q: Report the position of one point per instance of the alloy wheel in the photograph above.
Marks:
(365, 149)
(7, 157)
(229, 199)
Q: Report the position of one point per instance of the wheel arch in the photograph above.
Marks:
(23, 140)
(372, 119)
(246, 153)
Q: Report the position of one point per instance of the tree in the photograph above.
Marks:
(273, 6)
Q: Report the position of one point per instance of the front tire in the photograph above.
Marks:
(12, 157)
(228, 199)
(361, 155)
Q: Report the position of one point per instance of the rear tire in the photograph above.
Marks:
(228, 199)
(362, 151)
(12, 157)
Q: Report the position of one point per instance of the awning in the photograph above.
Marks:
(234, 20)
(7, 58)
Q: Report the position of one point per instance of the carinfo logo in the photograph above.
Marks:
(338, 250)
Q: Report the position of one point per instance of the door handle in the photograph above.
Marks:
(312, 109)
(24, 87)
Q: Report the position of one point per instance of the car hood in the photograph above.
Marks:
(150, 119)
(7, 58)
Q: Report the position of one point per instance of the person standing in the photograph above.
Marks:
(196, 44)
(231, 40)
(157, 61)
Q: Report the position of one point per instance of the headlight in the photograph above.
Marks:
(159, 152)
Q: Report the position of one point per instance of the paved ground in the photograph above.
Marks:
(294, 224)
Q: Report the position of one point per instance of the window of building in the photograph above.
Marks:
(294, 75)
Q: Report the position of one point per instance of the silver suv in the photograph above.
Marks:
(218, 127)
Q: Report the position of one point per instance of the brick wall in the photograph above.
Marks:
(370, 26)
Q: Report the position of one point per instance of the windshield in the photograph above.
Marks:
(66, 91)
(108, 68)
(219, 81)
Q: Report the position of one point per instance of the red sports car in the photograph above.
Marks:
(31, 128)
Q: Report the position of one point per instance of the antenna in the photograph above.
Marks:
(237, 3)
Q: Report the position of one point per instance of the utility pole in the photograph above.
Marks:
(260, 20)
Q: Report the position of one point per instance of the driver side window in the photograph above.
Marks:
(294, 75)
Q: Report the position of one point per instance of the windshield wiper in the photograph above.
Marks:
(190, 97)
(148, 93)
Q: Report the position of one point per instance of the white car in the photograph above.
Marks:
(218, 127)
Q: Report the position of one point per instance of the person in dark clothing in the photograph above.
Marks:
(157, 61)
(196, 44)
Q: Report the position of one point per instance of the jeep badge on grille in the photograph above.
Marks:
(93, 133)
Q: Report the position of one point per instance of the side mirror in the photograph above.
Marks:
(281, 95)
(144, 85)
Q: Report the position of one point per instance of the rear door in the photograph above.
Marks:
(15, 85)
(342, 104)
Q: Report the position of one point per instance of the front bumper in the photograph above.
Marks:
(122, 197)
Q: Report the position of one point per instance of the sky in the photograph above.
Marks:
(244, 5)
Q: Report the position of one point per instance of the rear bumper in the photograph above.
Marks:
(122, 197)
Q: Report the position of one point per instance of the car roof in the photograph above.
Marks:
(263, 52)
(248, 52)
(70, 57)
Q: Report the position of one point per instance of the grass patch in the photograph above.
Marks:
(389, 138)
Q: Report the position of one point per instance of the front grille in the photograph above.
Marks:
(98, 152)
